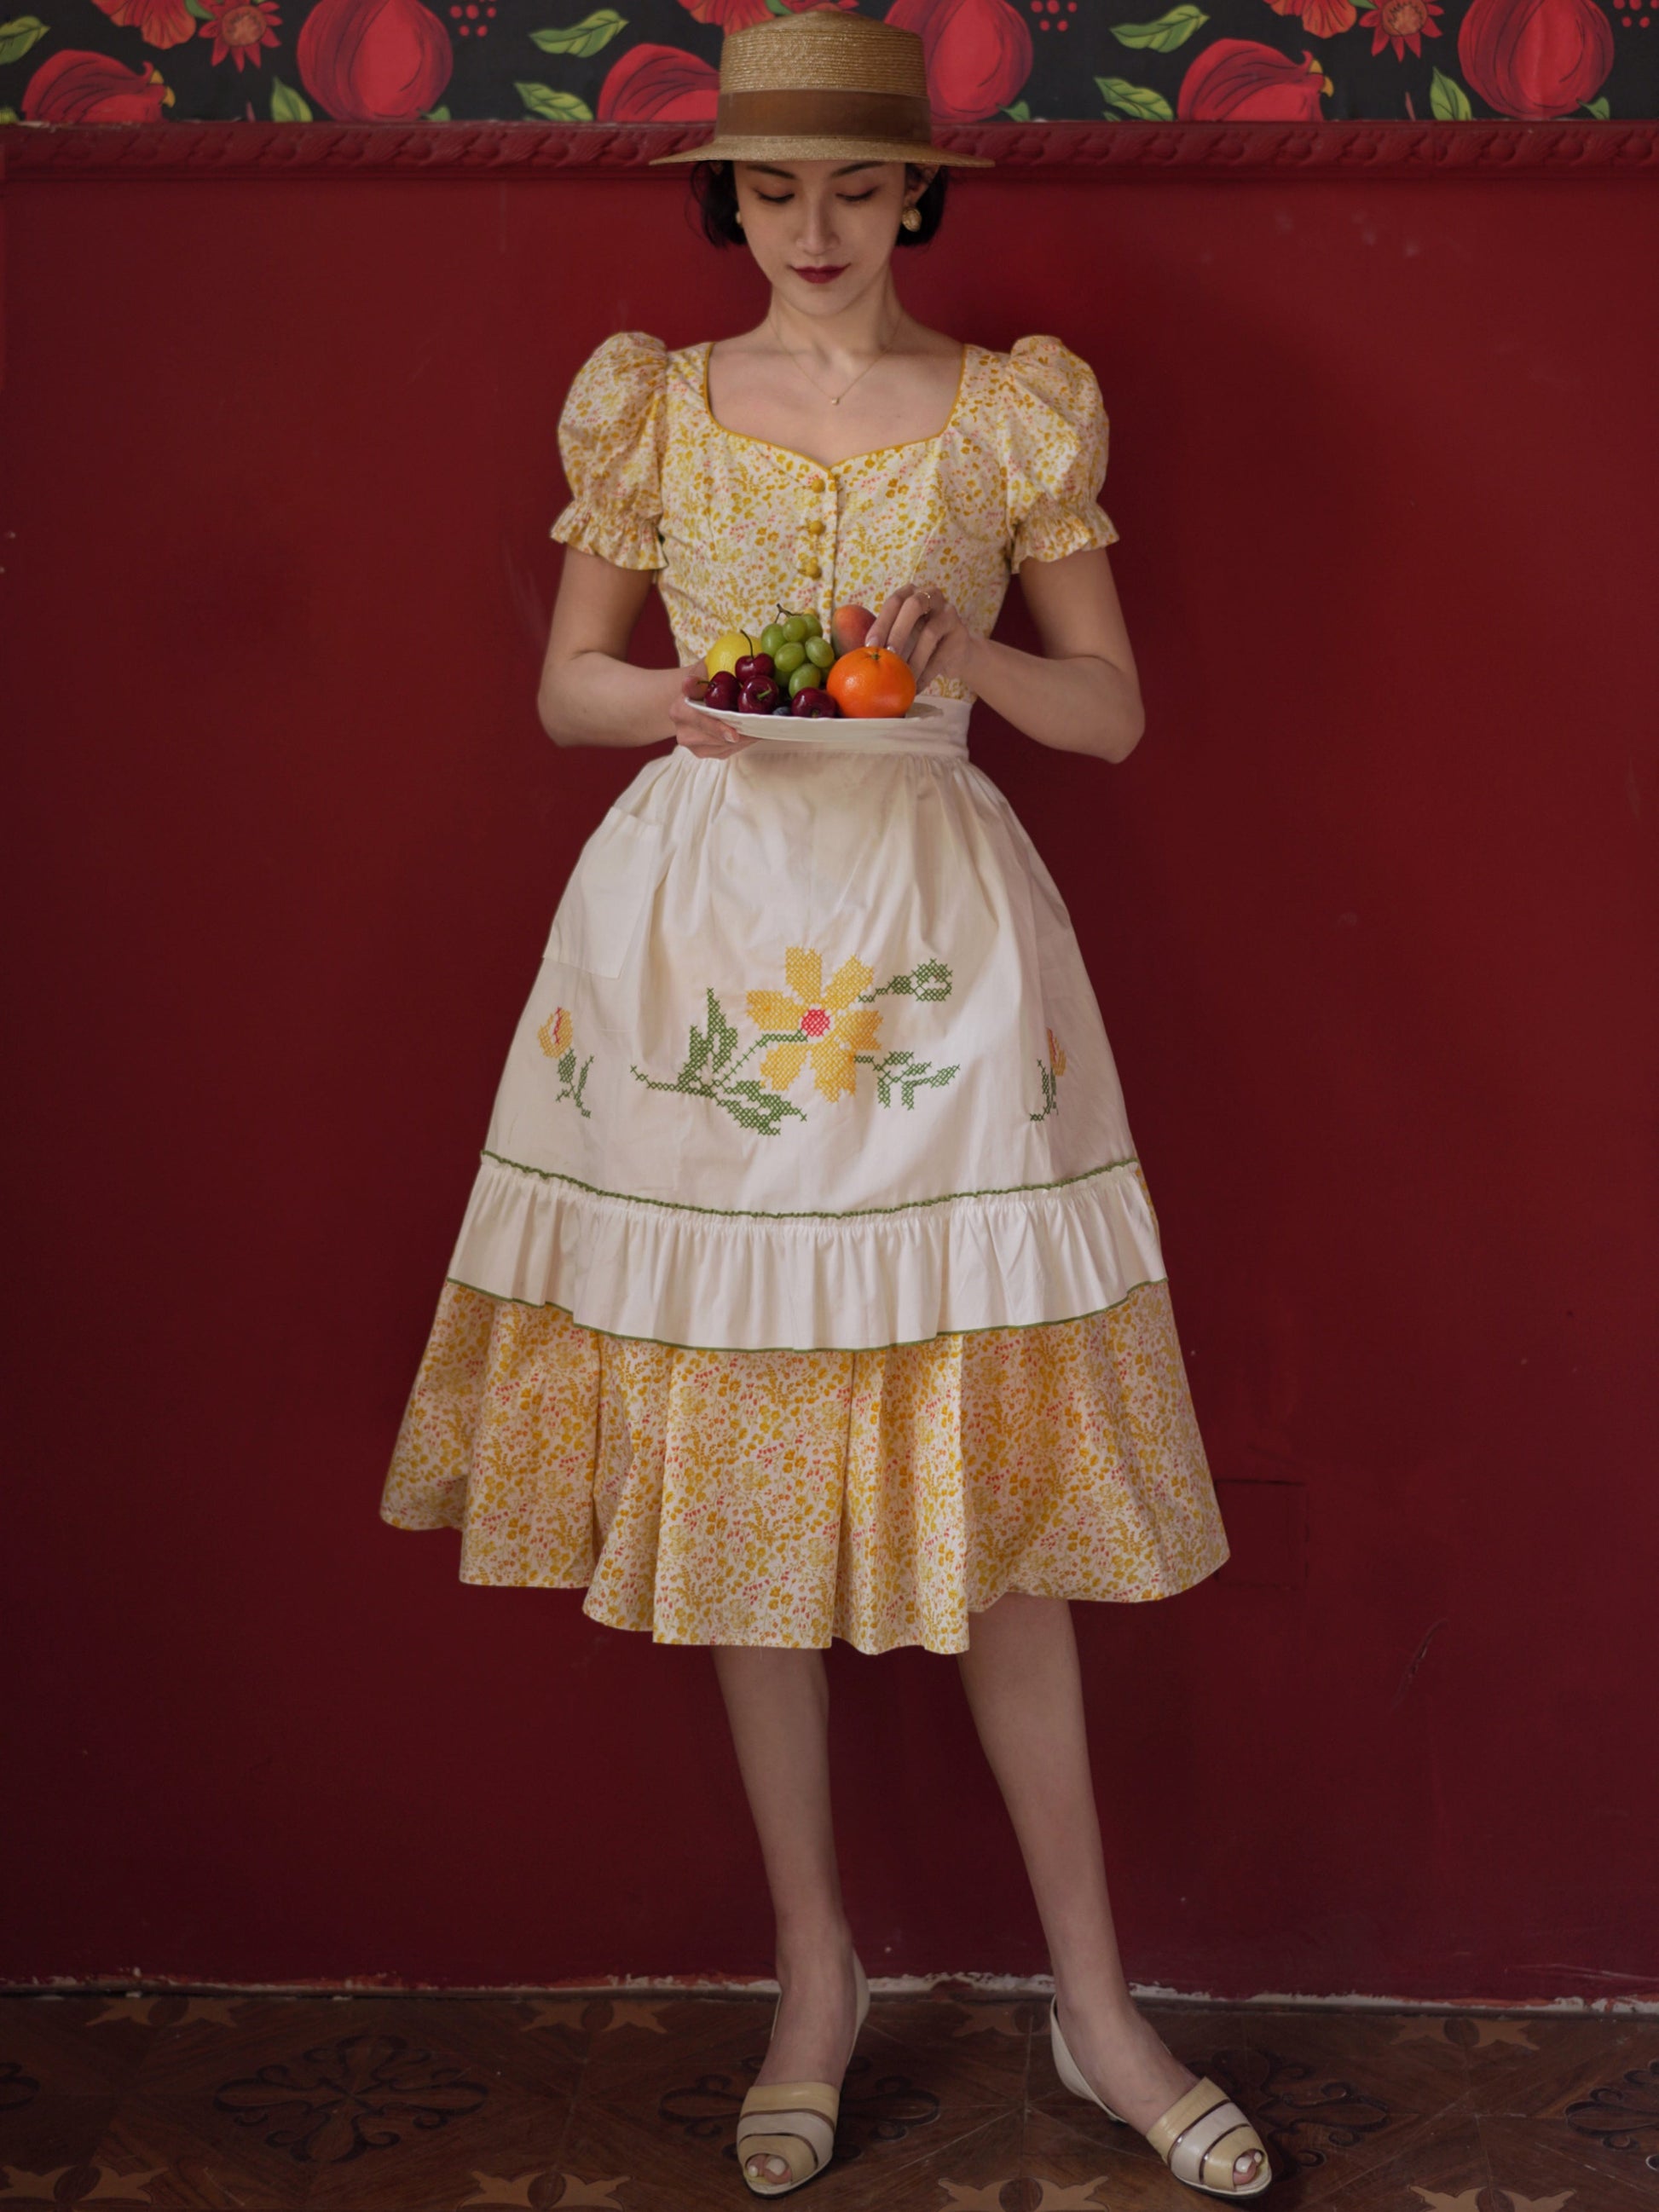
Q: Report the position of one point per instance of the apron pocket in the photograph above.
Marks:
(614, 876)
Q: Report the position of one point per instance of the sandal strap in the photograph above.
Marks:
(1192, 2128)
(786, 2113)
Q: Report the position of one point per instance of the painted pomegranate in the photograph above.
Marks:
(658, 84)
(1240, 80)
(373, 60)
(979, 53)
(81, 88)
(1535, 59)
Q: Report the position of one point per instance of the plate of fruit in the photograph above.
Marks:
(790, 672)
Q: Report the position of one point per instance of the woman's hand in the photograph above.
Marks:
(921, 626)
(707, 740)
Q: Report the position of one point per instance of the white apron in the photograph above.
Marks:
(812, 1061)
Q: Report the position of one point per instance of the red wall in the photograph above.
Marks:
(1371, 917)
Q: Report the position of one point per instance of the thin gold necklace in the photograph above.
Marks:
(835, 400)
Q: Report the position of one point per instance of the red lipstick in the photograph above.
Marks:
(822, 276)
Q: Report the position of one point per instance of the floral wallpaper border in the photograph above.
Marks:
(69, 63)
(169, 152)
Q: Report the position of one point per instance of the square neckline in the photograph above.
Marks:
(827, 468)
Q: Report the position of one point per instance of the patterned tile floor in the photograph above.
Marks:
(434, 2104)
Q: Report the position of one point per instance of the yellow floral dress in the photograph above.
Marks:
(809, 1285)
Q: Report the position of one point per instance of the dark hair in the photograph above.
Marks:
(714, 188)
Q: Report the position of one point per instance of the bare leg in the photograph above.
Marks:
(1026, 1696)
(778, 1705)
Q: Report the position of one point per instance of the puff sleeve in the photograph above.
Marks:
(1054, 454)
(611, 439)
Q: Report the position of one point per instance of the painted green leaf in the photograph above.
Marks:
(554, 106)
(1164, 35)
(1598, 108)
(1448, 101)
(1137, 101)
(435, 115)
(779, 8)
(9, 115)
(288, 106)
(1019, 112)
(196, 9)
(18, 36)
(581, 38)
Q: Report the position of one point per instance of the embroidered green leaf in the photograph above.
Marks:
(17, 37)
(1448, 101)
(1050, 1083)
(722, 1037)
(1164, 35)
(1137, 101)
(9, 115)
(581, 38)
(435, 115)
(288, 106)
(758, 1108)
(195, 7)
(931, 980)
(1598, 108)
(566, 1065)
(922, 1077)
(1019, 112)
(554, 106)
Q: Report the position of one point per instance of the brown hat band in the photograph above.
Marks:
(825, 113)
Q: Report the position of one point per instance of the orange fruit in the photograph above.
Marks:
(871, 681)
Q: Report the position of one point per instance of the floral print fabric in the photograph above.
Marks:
(731, 521)
(781, 1498)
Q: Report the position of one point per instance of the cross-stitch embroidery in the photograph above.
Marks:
(554, 1038)
(1049, 1079)
(833, 1028)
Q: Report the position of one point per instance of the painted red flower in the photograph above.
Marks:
(739, 15)
(979, 53)
(1535, 59)
(240, 28)
(1403, 23)
(1324, 19)
(82, 88)
(158, 22)
(658, 84)
(373, 60)
(1239, 80)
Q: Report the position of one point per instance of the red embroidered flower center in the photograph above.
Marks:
(814, 1022)
(241, 26)
(1401, 17)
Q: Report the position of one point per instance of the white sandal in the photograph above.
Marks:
(795, 2121)
(1202, 2135)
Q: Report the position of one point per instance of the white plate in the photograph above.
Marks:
(925, 712)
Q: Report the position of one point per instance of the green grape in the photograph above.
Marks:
(788, 656)
(819, 652)
(803, 675)
(814, 627)
(795, 629)
(771, 638)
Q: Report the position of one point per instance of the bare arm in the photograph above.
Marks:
(1081, 694)
(592, 694)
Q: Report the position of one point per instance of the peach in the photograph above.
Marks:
(849, 627)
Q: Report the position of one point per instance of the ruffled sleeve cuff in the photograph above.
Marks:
(1056, 455)
(611, 440)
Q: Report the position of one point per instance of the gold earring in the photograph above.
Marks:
(911, 218)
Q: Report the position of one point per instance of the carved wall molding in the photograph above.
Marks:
(1277, 150)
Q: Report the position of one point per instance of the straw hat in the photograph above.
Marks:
(825, 86)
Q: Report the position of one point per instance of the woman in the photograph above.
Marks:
(809, 1262)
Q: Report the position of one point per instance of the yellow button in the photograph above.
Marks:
(815, 528)
(809, 567)
(819, 484)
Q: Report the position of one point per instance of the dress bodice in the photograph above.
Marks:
(737, 526)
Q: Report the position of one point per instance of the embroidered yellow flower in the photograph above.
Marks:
(554, 1033)
(828, 1024)
(1056, 1055)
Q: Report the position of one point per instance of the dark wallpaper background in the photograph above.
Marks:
(80, 61)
